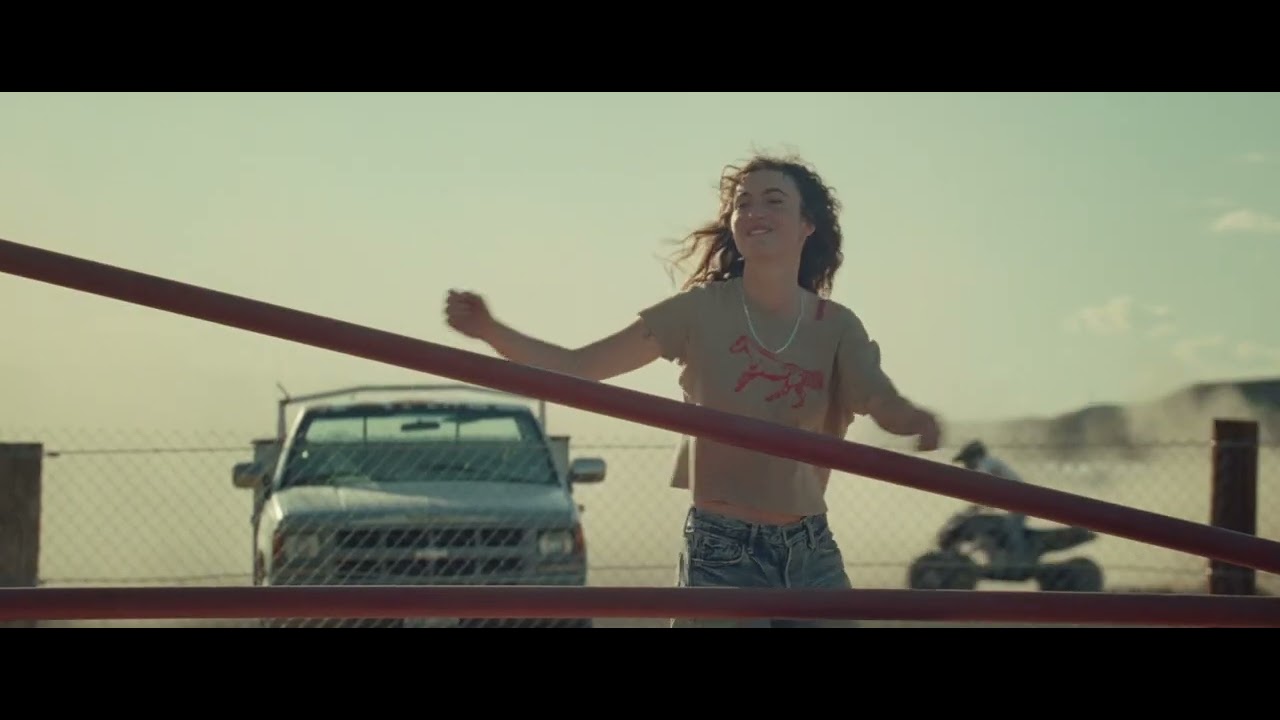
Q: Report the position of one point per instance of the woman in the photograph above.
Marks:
(756, 335)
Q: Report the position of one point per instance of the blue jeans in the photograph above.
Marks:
(721, 551)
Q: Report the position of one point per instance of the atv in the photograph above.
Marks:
(975, 530)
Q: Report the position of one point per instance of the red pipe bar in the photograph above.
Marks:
(825, 451)
(636, 602)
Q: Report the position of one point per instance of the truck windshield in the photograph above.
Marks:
(398, 444)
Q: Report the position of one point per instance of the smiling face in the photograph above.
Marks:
(768, 221)
(772, 210)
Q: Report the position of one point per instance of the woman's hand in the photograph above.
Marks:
(925, 427)
(467, 313)
(900, 416)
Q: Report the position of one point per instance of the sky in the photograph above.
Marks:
(1014, 254)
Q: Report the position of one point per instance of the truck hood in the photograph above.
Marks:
(460, 501)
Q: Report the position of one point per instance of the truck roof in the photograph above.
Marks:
(409, 405)
(313, 404)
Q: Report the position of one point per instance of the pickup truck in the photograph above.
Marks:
(416, 491)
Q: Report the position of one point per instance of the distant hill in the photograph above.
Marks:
(1185, 415)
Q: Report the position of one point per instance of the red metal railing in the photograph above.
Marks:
(637, 602)
(348, 338)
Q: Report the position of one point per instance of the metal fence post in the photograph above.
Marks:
(1234, 502)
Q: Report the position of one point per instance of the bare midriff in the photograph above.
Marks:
(751, 515)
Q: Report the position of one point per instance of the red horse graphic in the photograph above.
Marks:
(762, 364)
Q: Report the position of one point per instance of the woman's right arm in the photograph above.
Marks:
(628, 349)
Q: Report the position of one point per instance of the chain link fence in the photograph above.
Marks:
(140, 508)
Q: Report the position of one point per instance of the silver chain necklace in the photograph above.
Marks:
(751, 326)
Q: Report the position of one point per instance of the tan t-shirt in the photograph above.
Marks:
(819, 383)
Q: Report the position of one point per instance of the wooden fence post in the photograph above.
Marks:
(1234, 502)
(20, 488)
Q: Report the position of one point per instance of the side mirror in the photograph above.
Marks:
(247, 475)
(587, 470)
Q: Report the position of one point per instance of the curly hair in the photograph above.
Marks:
(720, 258)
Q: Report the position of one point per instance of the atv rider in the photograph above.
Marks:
(975, 456)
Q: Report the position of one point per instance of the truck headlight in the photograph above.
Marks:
(555, 542)
(303, 546)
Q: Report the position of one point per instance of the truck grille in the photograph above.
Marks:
(438, 568)
(428, 539)
(417, 553)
